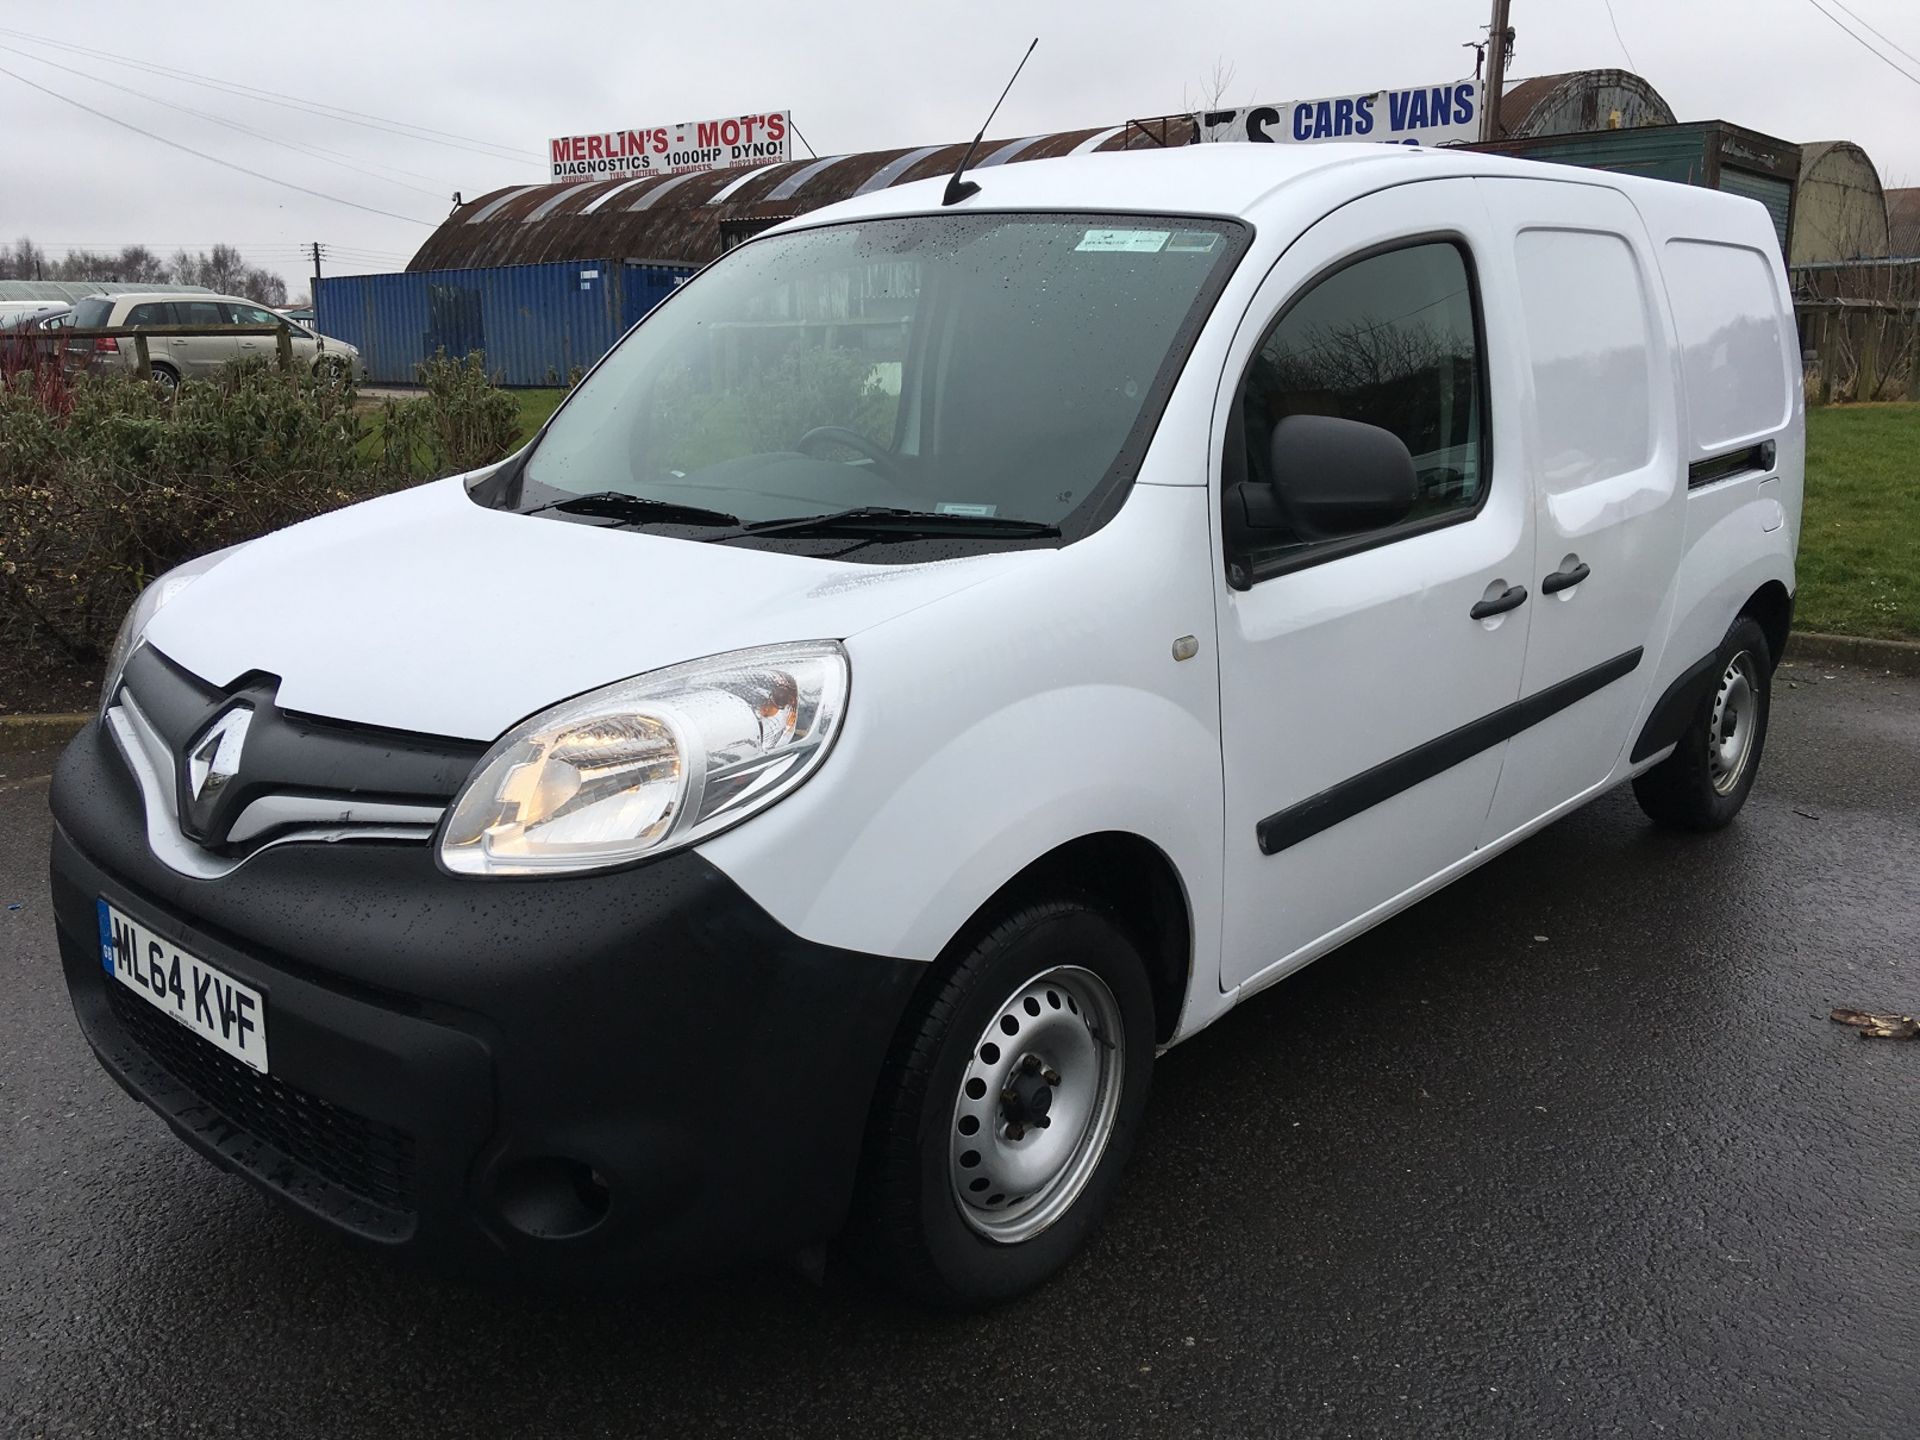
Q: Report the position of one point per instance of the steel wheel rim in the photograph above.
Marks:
(1012, 1176)
(1731, 728)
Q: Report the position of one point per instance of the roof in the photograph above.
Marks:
(1188, 180)
(1580, 100)
(81, 289)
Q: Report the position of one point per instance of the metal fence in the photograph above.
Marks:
(536, 323)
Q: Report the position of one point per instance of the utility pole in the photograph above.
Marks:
(315, 297)
(1499, 42)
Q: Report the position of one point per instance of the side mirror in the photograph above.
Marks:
(1332, 478)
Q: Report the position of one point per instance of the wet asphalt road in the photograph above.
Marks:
(1458, 1178)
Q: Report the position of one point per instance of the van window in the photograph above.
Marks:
(1586, 314)
(1390, 340)
(1726, 308)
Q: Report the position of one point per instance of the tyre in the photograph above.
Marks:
(331, 370)
(167, 379)
(1008, 1107)
(1703, 784)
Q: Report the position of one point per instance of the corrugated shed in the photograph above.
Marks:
(690, 219)
(1841, 211)
(1577, 101)
(535, 322)
(67, 290)
(1903, 222)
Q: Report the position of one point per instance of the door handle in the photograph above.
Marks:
(1565, 579)
(1514, 597)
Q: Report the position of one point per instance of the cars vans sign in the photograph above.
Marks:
(673, 149)
(1446, 114)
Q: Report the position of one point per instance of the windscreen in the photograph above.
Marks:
(984, 365)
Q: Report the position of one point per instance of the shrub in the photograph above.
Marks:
(463, 421)
(117, 484)
(105, 482)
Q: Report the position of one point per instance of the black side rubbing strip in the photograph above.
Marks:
(1734, 462)
(1667, 721)
(1423, 762)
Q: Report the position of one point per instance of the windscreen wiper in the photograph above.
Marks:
(633, 509)
(884, 520)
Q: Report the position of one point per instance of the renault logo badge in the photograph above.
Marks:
(215, 757)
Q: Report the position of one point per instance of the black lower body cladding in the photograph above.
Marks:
(574, 1076)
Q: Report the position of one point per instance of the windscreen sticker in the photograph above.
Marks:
(953, 507)
(1146, 242)
(1199, 242)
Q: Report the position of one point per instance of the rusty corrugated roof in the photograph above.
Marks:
(1576, 101)
(679, 218)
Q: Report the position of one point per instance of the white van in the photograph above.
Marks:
(944, 656)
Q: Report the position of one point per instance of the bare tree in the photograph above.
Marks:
(140, 266)
(24, 261)
(223, 268)
(1211, 92)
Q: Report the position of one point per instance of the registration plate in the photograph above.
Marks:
(209, 1002)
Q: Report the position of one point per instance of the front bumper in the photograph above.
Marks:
(637, 1069)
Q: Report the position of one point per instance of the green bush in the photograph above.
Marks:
(105, 483)
(463, 421)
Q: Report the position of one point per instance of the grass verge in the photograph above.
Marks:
(1860, 541)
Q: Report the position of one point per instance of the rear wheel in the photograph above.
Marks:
(1008, 1107)
(1703, 784)
(167, 379)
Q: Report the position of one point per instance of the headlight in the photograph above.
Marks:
(140, 614)
(648, 764)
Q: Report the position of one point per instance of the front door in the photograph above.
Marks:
(1362, 698)
(1603, 454)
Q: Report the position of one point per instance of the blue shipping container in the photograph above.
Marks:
(535, 322)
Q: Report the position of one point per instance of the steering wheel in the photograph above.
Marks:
(883, 460)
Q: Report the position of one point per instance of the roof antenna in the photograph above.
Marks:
(958, 189)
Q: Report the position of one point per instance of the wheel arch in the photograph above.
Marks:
(1771, 607)
(1132, 877)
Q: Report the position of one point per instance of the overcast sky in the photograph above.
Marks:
(857, 76)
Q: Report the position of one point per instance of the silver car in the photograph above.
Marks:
(174, 358)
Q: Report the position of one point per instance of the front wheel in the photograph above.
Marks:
(1703, 784)
(1008, 1107)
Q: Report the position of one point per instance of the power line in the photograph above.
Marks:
(1895, 43)
(1611, 20)
(312, 107)
(213, 159)
(296, 145)
(1865, 44)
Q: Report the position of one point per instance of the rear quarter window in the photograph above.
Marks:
(1587, 338)
(91, 314)
(1728, 313)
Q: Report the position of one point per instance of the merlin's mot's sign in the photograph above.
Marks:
(1446, 114)
(673, 149)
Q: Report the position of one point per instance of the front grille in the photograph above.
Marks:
(363, 1157)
